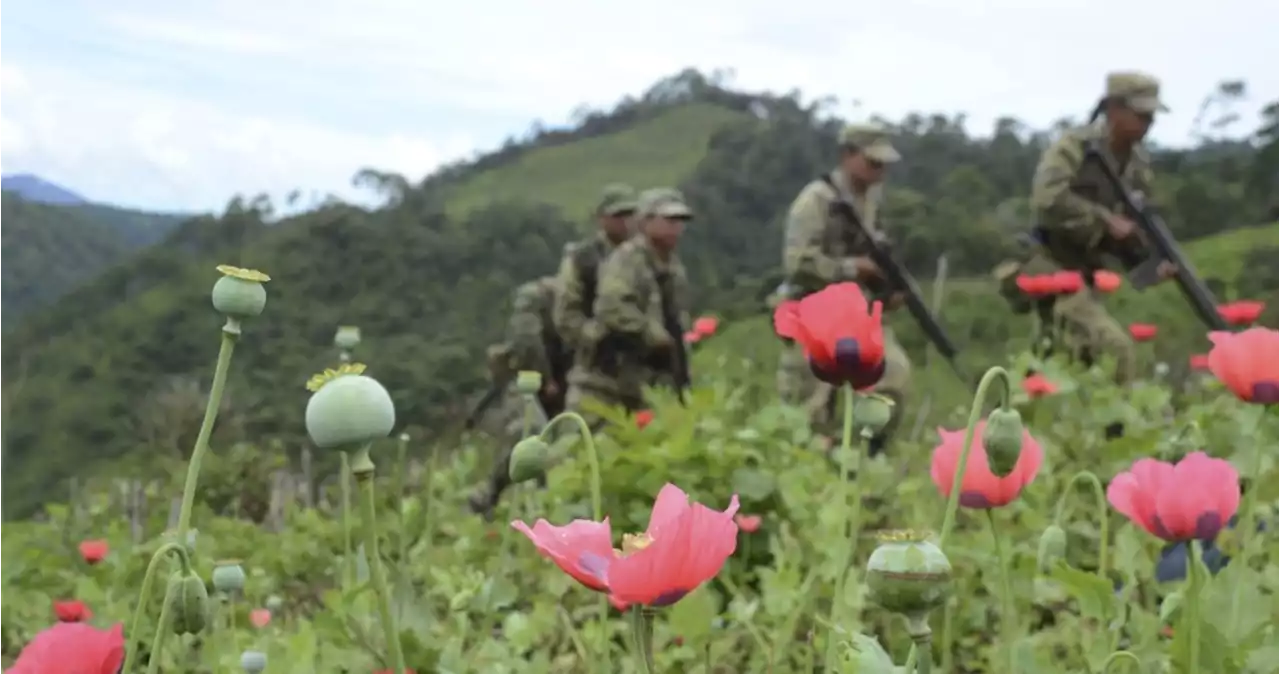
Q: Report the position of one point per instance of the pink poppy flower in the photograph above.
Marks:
(980, 488)
(1192, 499)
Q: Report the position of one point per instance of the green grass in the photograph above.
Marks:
(661, 151)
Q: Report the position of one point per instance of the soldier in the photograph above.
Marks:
(1080, 218)
(823, 247)
(532, 344)
(640, 310)
(579, 267)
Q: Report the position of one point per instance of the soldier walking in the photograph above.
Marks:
(580, 266)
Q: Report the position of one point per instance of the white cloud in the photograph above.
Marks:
(204, 100)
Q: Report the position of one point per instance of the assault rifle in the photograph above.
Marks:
(490, 397)
(1157, 245)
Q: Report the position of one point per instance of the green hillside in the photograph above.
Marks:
(92, 379)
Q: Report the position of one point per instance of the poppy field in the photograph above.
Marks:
(721, 535)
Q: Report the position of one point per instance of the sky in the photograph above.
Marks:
(181, 105)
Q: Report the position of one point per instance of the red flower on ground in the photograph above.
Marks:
(72, 611)
(1142, 332)
(1038, 386)
(1248, 363)
(1193, 498)
(692, 337)
(1037, 285)
(1199, 361)
(582, 548)
(980, 488)
(94, 551)
(706, 326)
(72, 648)
(748, 523)
(1241, 312)
(260, 617)
(1067, 282)
(644, 418)
(685, 545)
(1106, 281)
(840, 333)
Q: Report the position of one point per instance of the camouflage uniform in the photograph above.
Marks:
(819, 250)
(579, 274)
(635, 349)
(1072, 200)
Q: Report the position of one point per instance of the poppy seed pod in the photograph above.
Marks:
(274, 603)
(1053, 547)
(188, 603)
(1002, 438)
(240, 293)
(529, 382)
(908, 575)
(228, 577)
(873, 412)
(528, 459)
(347, 337)
(253, 662)
(348, 410)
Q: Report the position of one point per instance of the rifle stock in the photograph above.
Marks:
(1161, 247)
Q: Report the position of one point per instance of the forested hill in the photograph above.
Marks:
(116, 366)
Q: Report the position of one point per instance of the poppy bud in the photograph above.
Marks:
(528, 459)
(529, 382)
(188, 603)
(908, 575)
(872, 413)
(347, 337)
(253, 662)
(228, 577)
(348, 409)
(1002, 438)
(1053, 547)
(274, 603)
(239, 293)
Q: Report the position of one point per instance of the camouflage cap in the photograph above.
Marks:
(663, 201)
(616, 199)
(1139, 91)
(871, 140)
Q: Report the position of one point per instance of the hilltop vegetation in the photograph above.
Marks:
(115, 368)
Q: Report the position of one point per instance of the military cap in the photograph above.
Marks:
(663, 201)
(871, 140)
(616, 199)
(1137, 90)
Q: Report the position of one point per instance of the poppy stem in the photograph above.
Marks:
(849, 460)
(1008, 615)
(144, 595)
(362, 469)
(1117, 657)
(1245, 528)
(348, 556)
(230, 334)
(642, 630)
(402, 536)
(953, 501)
(1191, 611)
(922, 638)
(1100, 501)
(157, 642)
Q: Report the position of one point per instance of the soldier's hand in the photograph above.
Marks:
(1120, 227)
(895, 300)
(866, 268)
(1166, 270)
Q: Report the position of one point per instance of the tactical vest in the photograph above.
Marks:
(586, 258)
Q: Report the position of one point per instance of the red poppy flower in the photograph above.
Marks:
(260, 617)
(840, 333)
(685, 545)
(583, 549)
(1106, 281)
(1142, 332)
(1035, 286)
(980, 488)
(1247, 362)
(1067, 282)
(94, 551)
(644, 418)
(1242, 312)
(1037, 385)
(691, 337)
(73, 611)
(1193, 498)
(706, 326)
(72, 648)
(748, 523)
(1199, 361)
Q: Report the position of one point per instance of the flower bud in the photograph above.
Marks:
(872, 413)
(240, 293)
(529, 382)
(253, 662)
(1053, 547)
(347, 337)
(348, 409)
(908, 575)
(228, 576)
(274, 603)
(1002, 438)
(528, 459)
(188, 603)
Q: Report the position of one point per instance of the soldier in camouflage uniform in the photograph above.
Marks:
(531, 344)
(823, 247)
(641, 309)
(1079, 218)
(580, 266)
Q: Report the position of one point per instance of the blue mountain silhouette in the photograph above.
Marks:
(34, 188)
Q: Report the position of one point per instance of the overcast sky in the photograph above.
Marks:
(179, 105)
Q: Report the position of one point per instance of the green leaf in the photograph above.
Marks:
(1093, 594)
(691, 617)
(753, 485)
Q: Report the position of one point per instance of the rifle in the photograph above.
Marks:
(1142, 262)
(898, 279)
(490, 397)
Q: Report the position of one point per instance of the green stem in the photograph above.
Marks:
(402, 538)
(157, 642)
(642, 631)
(597, 513)
(921, 638)
(953, 501)
(1117, 657)
(144, 595)
(348, 557)
(1100, 502)
(362, 468)
(1191, 611)
(1245, 528)
(1008, 615)
(849, 463)
(230, 333)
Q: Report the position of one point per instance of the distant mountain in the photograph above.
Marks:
(37, 189)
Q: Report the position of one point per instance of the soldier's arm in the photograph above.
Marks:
(625, 301)
(567, 313)
(1051, 195)
(803, 257)
(524, 333)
